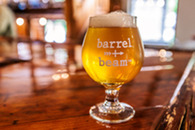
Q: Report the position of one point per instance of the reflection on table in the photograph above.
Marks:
(51, 90)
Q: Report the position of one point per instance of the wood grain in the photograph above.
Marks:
(40, 101)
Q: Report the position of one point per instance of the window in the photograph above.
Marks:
(55, 31)
(156, 20)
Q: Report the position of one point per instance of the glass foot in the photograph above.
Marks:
(123, 113)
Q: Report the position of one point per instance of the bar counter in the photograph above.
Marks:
(37, 95)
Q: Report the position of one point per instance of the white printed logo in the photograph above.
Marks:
(115, 53)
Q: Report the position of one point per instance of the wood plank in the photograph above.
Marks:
(41, 101)
(178, 113)
(143, 120)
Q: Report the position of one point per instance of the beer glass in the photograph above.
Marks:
(112, 55)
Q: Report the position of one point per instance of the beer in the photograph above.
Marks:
(113, 55)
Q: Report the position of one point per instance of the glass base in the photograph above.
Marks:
(122, 113)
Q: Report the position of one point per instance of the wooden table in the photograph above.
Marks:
(35, 95)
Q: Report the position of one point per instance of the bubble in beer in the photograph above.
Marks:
(113, 19)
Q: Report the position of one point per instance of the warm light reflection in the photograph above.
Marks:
(42, 21)
(61, 70)
(162, 53)
(20, 21)
(59, 76)
(56, 77)
(64, 76)
(157, 67)
(165, 55)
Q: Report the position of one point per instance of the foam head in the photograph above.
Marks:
(113, 19)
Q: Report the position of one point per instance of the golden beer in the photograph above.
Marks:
(113, 56)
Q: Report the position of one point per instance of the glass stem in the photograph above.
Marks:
(111, 103)
(112, 95)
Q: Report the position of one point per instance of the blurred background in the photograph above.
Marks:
(53, 30)
(43, 84)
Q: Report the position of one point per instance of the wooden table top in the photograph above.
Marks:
(38, 95)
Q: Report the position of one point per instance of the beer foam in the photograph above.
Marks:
(113, 19)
